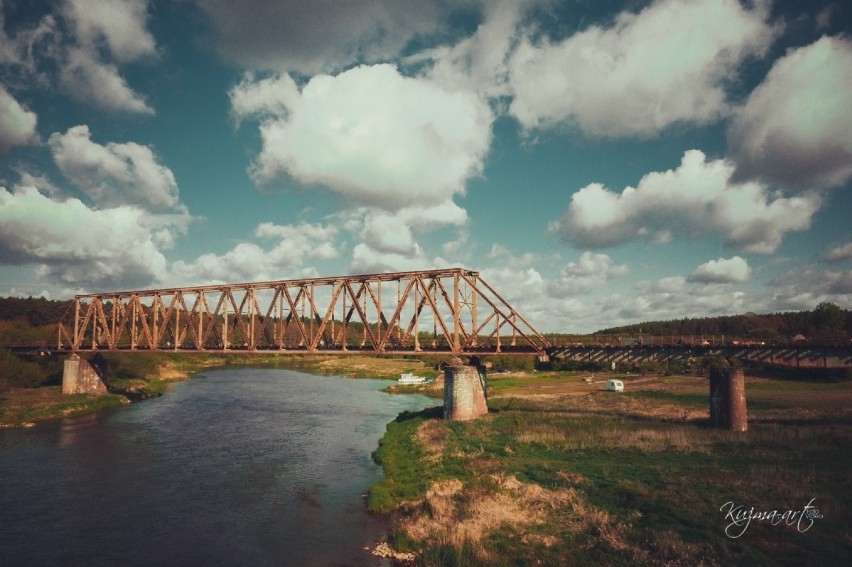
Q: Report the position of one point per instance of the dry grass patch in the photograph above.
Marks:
(368, 366)
(670, 549)
(170, 372)
(654, 439)
(452, 515)
(431, 435)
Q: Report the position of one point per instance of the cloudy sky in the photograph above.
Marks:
(599, 162)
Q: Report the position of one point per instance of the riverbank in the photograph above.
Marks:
(139, 376)
(133, 378)
(563, 472)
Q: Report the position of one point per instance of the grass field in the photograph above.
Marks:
(562, 472)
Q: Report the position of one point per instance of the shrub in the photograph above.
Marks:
(15, 372)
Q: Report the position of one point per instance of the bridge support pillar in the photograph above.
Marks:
(464, 392)
(80, 376)
(728, 400)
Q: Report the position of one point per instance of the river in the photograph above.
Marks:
(234, 467)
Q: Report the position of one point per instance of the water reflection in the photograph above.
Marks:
(73, 430)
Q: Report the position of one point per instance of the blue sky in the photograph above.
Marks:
(600, 163)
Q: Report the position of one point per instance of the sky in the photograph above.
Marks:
(599, 163)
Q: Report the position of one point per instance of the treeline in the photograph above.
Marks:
(826, 320)
(28, 319)
(36, 311)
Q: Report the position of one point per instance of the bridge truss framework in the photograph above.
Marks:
(445, 311)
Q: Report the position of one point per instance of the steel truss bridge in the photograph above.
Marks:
(443, 311)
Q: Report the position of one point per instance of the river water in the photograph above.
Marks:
(235, 467)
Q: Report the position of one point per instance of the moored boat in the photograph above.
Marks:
(409, 378)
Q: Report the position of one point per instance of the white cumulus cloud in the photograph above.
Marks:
(723, 270)
(591, 271)
(396, 231)
(292, 246)
(119, 24)
(367, 260)
(103, 33)
(840, 253)
(399, 240)
(21, 49)
(90, 80)
(374, 136)
(73, 244)
(696, 200)
(17, 124)
(479, 63)
(675, 297)
(806, 288)
(666, 64)
(116, 173)
(264, 97)
(795, 129)
(77, 47)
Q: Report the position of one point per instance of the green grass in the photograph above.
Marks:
(61, 406)
(651, 489)
(400, 457)
(695, 400)
(505, 384)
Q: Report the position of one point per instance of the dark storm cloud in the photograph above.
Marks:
(312, 36)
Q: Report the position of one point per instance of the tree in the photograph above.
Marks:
(767, 333)
(828, 317)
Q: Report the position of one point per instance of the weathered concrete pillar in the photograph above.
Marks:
(69, 374)
(728, 400)
(738, 416)
(80, 377)
(464, 392)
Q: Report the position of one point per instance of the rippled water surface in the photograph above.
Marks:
(235, 467)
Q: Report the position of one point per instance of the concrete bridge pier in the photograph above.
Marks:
(464, 392)
(80, 376)
(728, 400)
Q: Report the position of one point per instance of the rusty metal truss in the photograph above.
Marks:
(444, 311)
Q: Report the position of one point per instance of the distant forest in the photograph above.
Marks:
(29, 319)
(826, 320)
(36, 311)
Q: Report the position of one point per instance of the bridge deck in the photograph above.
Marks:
(799, 356)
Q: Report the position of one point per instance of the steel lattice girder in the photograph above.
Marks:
(343, 314)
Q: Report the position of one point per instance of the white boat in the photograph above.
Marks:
(409, 378)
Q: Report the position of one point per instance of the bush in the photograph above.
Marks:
(574, 366)
(514, 363)
(132, 366)
(18, 373)
(715, 366)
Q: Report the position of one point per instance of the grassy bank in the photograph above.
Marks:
(132, 377)
(30, 389)
(562, 472)
(26, 407)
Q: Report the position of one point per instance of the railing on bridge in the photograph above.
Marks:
(452, 310)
